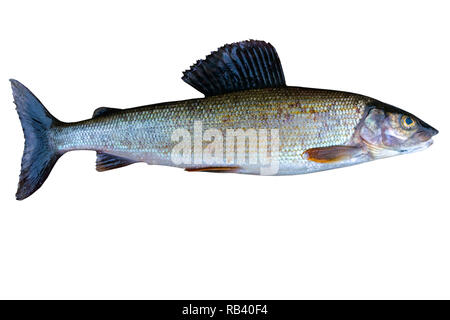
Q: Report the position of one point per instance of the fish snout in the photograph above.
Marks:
(434, 131)
(429, 129)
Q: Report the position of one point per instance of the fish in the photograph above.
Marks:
(249, 121)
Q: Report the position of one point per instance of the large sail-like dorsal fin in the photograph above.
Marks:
(238, 66)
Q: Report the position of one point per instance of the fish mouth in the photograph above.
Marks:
(418, 147)
(377, 151)
(425, 134)
(424, 139)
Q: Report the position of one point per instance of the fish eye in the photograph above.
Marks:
(407, 122)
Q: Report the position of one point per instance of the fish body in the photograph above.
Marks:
(249, 122)
(305, 118)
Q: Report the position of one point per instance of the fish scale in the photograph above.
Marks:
(306, 118)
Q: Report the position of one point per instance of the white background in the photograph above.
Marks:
(376, 230)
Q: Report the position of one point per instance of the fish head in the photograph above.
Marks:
(388, 131)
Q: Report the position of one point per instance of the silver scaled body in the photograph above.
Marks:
(305, 119)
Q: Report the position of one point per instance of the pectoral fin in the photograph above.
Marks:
(213, 169)
(331, 154)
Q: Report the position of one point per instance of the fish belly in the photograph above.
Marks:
(292, 120)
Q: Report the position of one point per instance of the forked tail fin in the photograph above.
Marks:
(39, 156)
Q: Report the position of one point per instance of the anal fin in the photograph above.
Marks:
(107, 162)
(213, 169)
(331, 154)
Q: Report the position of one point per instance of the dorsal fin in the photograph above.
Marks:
(238, 66)
(103, 111)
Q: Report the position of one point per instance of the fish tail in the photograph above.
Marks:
(39, 155)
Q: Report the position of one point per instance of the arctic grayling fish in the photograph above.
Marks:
(244, 89)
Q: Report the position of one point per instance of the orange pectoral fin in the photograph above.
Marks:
(213, 169)
(331, 154)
